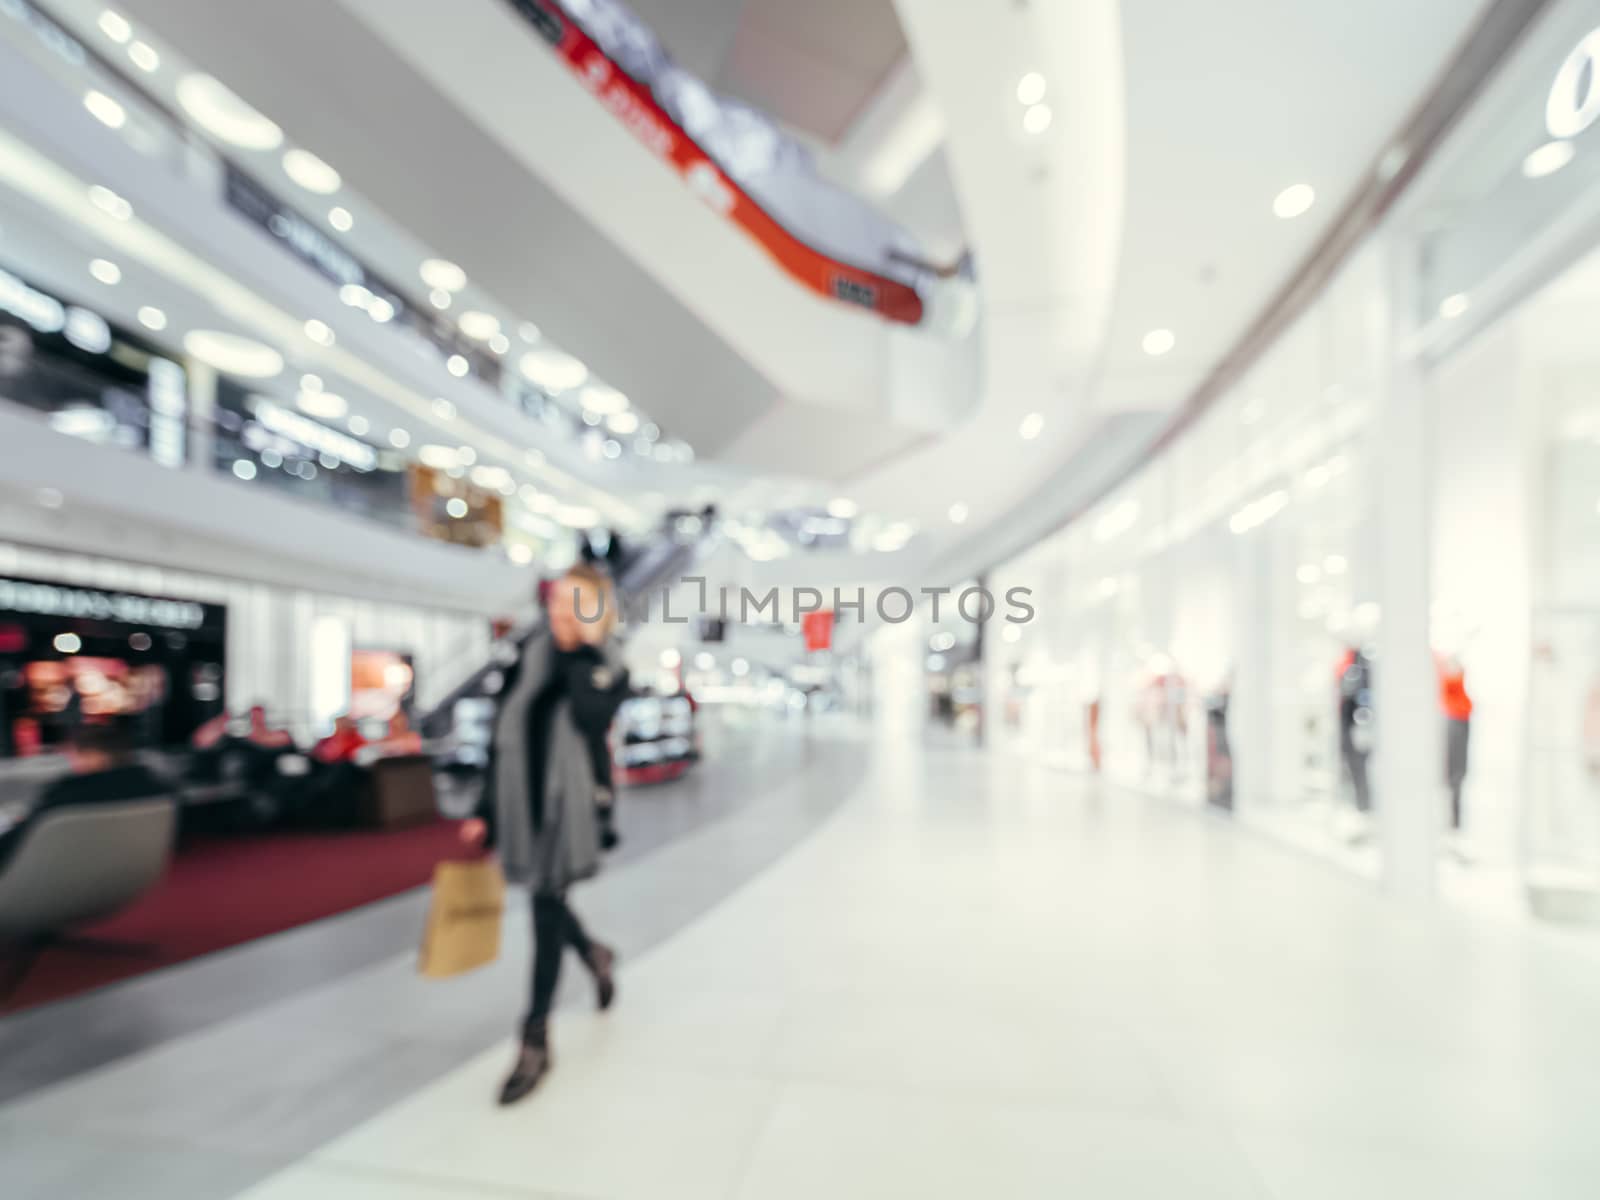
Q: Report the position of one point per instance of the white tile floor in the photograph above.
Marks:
(980, 979)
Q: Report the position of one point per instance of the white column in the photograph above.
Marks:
(202, 417)
(1407, 763)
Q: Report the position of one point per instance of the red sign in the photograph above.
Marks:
(633, 105)
(817, 627)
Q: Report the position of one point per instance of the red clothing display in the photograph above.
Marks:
(339, 746)
(1453, 698)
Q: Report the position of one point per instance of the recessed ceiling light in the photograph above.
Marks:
(440, 299)
(106, 271)
(115, 26)
(457, 366)
(603, 400)
(311, 383)
(1548, 159)
(399, 439)
(552, 370)
(466, 456)
(443, 409)
(232, 354)
(1158, 342)
(1294, 201)
(152, 318)
(1032, 426)
(319, 332)
(440, 458)
(499, 343)
(110, 203)
(380, 310)
(359, 425)
(341, 219)
(310, 172)
(959, 513)
(1037, 118)
(105, 110)
(1030, 88)
(144, 57)
(443, 274)
(328, 405)
(576, 516)
(529, 332)
(478, 325)
(624, 422)
(1452, 307)
(845, 510)
(456, 507)
(220, 111)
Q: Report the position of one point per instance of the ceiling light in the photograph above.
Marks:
(1032, 426)
(529, 332)
(443, 409)
(220, 111)
(457, 366)
(1548, 159)
(576, 516)
(115, 26)
(1037, 118)
(499, 343)
(466, 456)
(380, 310)
(341, 219)
(243, 468)
(399, 439)
(552, 370)
(232, 354)
(67, 643)
(110, 203)
(1158, 342)
(1335, 564)
(440, 299)
(623, 423)
(704, 661)
(602, 400)
(959, 513)
(49, 497)
(1012, 633)
(1452, 307)
(328, 405)
(1294, 201)
(359, 425)
(106, 271)
(845, 510)
(612, 448)
(355, 295)
(1030, 88)
(534, 458)
(441, 458)
(490, 478)
(310, 172)
(443, 274)
(144, 56)
(105, 110)
(311, 383)
(456, 507)
(152, 318)
(319, 332)
(478, 325)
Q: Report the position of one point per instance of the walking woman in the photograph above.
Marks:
(547, 797)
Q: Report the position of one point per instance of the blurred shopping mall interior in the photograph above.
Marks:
(1018, 583)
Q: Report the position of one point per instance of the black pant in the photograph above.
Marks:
(554, 929)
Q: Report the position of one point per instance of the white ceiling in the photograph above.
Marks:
(1147, 204)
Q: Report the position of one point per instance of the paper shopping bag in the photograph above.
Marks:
(463, 929)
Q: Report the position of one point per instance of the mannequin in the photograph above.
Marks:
(1456, 706)
(1355, 722)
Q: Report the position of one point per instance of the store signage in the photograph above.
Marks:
(50, 600)
(86, 330)
(1574, 102)
(316, 437)
(632, 104)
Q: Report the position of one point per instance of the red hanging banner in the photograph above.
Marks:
(817, 628)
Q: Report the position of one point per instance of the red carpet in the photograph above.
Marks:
(221, 891)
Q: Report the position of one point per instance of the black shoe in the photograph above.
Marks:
(601, 959)
(531, 1066)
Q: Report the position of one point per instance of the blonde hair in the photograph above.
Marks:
(587, 575)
